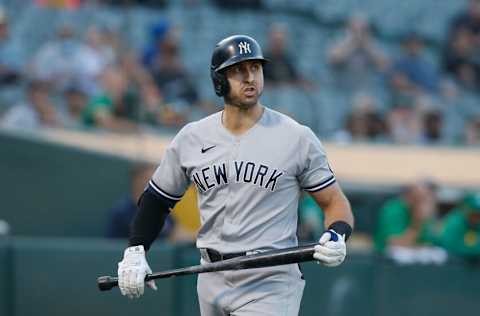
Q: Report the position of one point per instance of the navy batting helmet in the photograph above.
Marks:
(230, 51)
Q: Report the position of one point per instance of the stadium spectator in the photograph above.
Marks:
(66, 59)
(419, 122)
(408, 220)
(37, 111)
(460, 58)
(461, 228)
(104, 44)
(470, 20)
(75, 98)
(122, 213)
(356, 57)
(411, 77)
(448, 199)
(472, 132)
(10, 58)
(432, 127)
(422, 123)
(281, 68)
(364, 123)
(412, 73)
(155, 111)
(152, 54)
(137, 79)
(111, 108)
(172, 79)
(404, 125)
(143, 92)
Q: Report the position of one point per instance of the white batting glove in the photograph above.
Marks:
(132, 271)
(331, 249)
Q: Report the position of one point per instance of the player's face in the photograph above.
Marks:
(246, 83)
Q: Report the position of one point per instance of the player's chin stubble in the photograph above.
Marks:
(241, 103)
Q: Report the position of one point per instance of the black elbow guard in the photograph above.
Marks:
(149, 219)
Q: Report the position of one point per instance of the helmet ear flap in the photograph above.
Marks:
(220, 83)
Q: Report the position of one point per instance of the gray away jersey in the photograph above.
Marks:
(249, 185)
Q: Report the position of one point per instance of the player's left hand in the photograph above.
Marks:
(331, 249)
(132, 271)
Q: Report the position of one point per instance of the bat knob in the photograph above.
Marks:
(106, 283)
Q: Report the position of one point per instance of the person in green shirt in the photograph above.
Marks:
(461, 231)
(109, 108)
(408, 220)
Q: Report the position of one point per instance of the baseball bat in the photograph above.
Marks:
(258, 260)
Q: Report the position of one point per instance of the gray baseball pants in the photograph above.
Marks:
(271, 291)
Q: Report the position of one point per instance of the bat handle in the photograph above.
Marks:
(106, 283)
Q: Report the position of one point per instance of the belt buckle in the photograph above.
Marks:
(213, 255)
(217, 254)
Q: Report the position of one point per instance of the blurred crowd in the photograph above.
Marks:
(96, 80)
(422, 224)
(424, 99)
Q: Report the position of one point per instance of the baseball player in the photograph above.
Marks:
(249, 164)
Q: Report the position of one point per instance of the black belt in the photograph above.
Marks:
(214, 255)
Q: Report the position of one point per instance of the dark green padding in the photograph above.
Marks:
(453, 289)
(5, 281)
(345, 290)
(58, 277)
(55, 190)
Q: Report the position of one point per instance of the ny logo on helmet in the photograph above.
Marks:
(244, 48)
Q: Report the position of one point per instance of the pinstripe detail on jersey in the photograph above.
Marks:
(157, 189)
(321, 185)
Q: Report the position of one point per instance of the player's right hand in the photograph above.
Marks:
(331, 249)
(132, 271)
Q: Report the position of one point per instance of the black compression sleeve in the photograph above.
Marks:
(149, 220)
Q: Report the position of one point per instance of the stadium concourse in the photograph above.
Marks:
(92, 91)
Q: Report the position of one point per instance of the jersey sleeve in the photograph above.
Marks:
(170, 179)
(315, 172)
